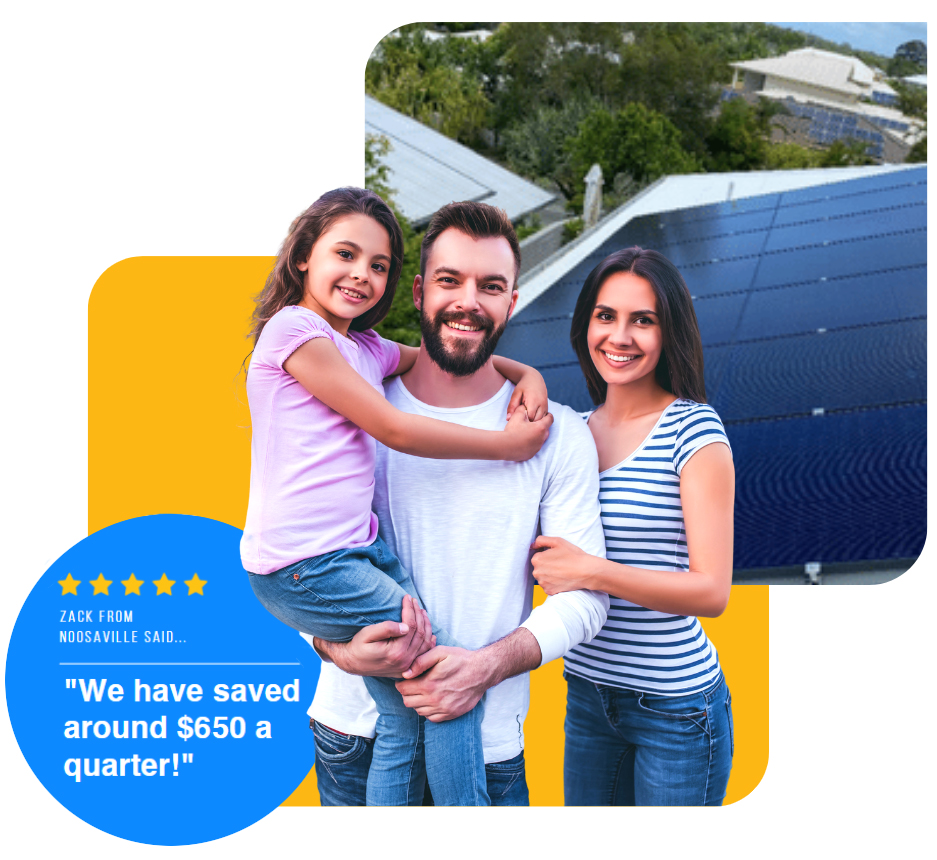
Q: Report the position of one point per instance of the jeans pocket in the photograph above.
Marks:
(692, 707)
(332, 746)
(731, 724)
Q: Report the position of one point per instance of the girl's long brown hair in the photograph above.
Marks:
(285, 284)
(680, 368)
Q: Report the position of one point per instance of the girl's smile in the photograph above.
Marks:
(624, 337)
(347, 269)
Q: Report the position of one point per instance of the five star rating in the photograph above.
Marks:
(132, 585)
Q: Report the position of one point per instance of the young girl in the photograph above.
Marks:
(649, 717)
(315, 391)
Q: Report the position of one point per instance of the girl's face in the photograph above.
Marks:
(624, 336)
(346, 272)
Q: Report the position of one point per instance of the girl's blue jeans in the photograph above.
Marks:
(628, 748)
(333, 596)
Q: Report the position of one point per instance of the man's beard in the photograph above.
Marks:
(463, 357)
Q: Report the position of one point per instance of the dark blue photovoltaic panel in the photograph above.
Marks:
(718, 317)
(854, 300)
(836, 370)
(849, 204)
(848, 227)
(723, 277)
(566, 384)
(848, 487)
(867, 254)
(810, 300)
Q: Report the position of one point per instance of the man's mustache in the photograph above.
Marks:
(467, 318)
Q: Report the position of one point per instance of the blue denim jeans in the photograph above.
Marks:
(333, 596)
(627, 748)
(342, 763)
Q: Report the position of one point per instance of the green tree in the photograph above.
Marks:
(635, 140)
(918, 153)
(535, 145)
(412, 74)
(402, 323)
(791, 156)
(740, 137)
(845, 153)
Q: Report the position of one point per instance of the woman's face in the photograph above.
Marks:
(346, 272)
(624, 337)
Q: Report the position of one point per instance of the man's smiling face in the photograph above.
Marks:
(465, 299)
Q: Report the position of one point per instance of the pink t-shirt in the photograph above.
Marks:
(312, 470)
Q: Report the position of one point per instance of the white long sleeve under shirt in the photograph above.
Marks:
(463, 529)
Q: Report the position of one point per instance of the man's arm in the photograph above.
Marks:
(459, 678)
(456, 679)
(382, 650)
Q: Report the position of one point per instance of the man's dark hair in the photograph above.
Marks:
(478, 220)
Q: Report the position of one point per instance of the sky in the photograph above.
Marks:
(882, 38)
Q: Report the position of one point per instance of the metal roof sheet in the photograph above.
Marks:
(428, 170)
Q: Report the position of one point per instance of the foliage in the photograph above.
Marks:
(535, 145)
(912, 100)
(791, 156)
(918, 153)
(899, 67)
(402, 323)
(635, 140)
(845, 153)
(413, 75)
(741, 136)
(530, 225)
(572, 229)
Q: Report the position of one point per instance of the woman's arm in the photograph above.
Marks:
(319, 367)
(707, 492)
(530, 389)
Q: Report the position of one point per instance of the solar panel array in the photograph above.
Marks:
(812, 309)
(828, 126)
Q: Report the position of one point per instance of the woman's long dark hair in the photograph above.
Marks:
(285, 284)
(680, 368)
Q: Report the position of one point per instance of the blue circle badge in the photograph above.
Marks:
(149, 690)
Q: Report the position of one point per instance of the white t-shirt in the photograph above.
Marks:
(463, 529)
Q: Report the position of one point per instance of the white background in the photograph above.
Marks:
(203, 128)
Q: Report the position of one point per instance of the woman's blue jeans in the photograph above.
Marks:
(627, 748)
(333, 596)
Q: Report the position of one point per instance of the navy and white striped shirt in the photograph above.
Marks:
(638, 648)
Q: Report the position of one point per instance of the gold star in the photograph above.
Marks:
(164, 585)
(69, 585)
(196, 585)
(131, 585)
(101, 585)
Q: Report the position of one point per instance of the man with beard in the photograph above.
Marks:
(463, 528)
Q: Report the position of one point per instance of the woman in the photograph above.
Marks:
(649, 717)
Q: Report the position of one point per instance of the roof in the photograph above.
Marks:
(428, 170)
(672, 193)
(918, 80)
(820, 68)
(810, 289)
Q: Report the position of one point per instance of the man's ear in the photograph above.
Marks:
(418, 290)
(513, 304)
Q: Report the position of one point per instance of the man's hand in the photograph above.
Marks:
(384, 650)
(452, 680)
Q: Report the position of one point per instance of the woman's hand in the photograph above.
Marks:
(531, 391)
(559, 565)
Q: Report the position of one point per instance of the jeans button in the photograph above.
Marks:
(295, 576)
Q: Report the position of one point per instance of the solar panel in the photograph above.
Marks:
(812, 308)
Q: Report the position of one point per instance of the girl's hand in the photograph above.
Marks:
(526, 437)
(559, 565)
(531, 391)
